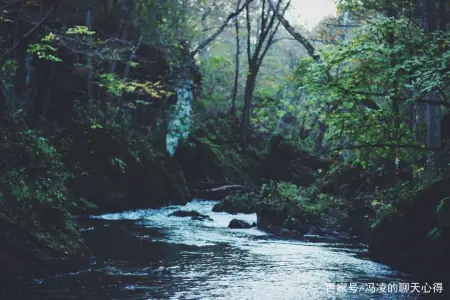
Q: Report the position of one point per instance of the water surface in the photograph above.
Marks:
(144, 254)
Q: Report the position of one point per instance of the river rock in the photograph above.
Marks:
(202, 218)
(239, 224)
(195, 215)
(238, 203)
(289, 233)
(185, 213)
(292, 223)
(270, 218)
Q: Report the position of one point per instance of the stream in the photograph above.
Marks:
(144, 254)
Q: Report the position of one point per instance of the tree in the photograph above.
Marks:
(267, 28)
(236, 69)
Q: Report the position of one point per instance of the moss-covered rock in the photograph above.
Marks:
(286, 162)
(292, 223)
(37, 234)
(239, 224)
(39, 241)
(238, 203)
(270, 218)
(116, 175)
(400, 236)
(213, 155)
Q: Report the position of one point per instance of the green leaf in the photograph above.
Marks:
(434, 234)
(96, 126)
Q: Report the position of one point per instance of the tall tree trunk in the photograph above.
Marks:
(128, 66)
(249, 89)
(236, 69)
(90, 76)
(443, 15)
(433, 111)
(391, 13)
(267, 31)
(346, 154)
(124, 27)
(48, 93)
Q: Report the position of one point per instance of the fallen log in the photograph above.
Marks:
(221, 192)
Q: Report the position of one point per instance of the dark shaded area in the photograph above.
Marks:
(114, 179)
(402, 240)
(286, 162)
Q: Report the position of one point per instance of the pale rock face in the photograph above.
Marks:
(181, 116)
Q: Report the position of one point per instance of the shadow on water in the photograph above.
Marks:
(146, 255)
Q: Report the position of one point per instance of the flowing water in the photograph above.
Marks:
(145, 254)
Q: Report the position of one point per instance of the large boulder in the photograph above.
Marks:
(239, 203)
(271, 218)
(239, 224)
(212, 156)
(292, 223)
(116, 176)
(39, 241)
(402, 237)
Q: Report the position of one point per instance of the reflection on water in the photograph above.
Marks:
(146, 255)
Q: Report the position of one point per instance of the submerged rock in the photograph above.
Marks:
(239, 224)
(185, 213)
(202, 218)
(190, 213)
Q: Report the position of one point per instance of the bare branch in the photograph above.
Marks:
(28, 34)
(341, 25)
(301, 39)
(272, 35)
(219, 31)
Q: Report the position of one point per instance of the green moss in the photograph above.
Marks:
(238, 203)
(113, 173)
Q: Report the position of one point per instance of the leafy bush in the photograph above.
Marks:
(33, 170)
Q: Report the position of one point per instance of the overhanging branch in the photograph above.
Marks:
(28, 34)
(219, 31)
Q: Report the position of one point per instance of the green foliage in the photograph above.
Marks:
(44, 49)
(119, 163)
(280, 191)
(117, 86)
(33, 169)
(79, 30)
(9, 66)
(217, 82)
(443, 219)
(373, 70)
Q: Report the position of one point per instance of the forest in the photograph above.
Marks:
(335, 131)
